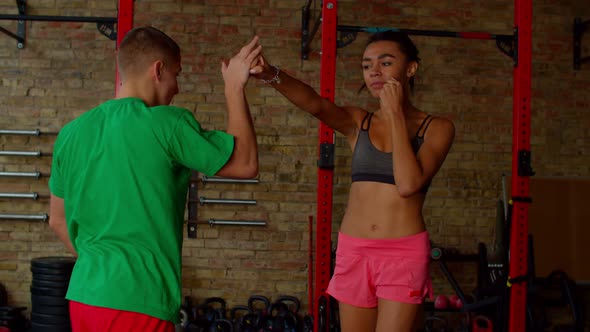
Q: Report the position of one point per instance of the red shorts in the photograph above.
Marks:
(87, 318)
(392, 269)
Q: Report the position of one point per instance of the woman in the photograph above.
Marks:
(382, 260)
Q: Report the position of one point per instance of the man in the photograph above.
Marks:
(119, 179)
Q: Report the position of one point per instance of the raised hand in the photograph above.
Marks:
(391, 97)
(236, 71)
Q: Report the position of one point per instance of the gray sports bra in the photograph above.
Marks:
(371, 164)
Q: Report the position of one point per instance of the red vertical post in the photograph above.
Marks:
(124, 24)
(521, 170)
(325, 174)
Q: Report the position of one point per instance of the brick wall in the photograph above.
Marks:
(67, 68)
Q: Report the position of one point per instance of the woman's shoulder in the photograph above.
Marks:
(440, 127)
(357, 113)
(442, 122)
(432, 119)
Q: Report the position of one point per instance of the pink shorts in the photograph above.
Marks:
(392, 269)
(87, 318)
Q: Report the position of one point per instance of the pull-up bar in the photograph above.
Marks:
(81, 19)
(432, 33)
(504, 42)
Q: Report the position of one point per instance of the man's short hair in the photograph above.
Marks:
(142, 46)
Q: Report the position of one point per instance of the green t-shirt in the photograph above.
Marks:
(123, 170)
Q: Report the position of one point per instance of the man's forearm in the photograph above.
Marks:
(61, 230)
(241, 126)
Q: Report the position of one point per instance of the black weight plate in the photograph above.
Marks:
(17, 324)
(49, 319)
(15, 311)
(49, 283)
(50, 310)
(8, 317)
(57, 292)
(3, 295)
(48, 300)
(38, 327)
(64, 263)
(51, 277)
(44, 270)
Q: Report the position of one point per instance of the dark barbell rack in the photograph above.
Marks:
(194, 201)
(105, 25)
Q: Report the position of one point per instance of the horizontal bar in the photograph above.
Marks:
(432, 33)
(215, 179)
(21, 153)
(20, 132)
(237, 222)
(35, 132)
(204, 200)
(42, 217)
(22, 174)
(20, 195)
(84, 19)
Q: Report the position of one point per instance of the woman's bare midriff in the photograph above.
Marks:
(376, 210)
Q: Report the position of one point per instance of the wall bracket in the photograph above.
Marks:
(20, 28)
(580, 27)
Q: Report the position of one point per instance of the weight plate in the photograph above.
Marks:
(63, 310)
(38, 327)
(49, 319)
(48, 300)
(54, 262)
(51, 277)
(49, 283)
(57, 292)
(52, 271)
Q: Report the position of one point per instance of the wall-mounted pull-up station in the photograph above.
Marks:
(105, 25)
(348, 34)
(518, 47)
